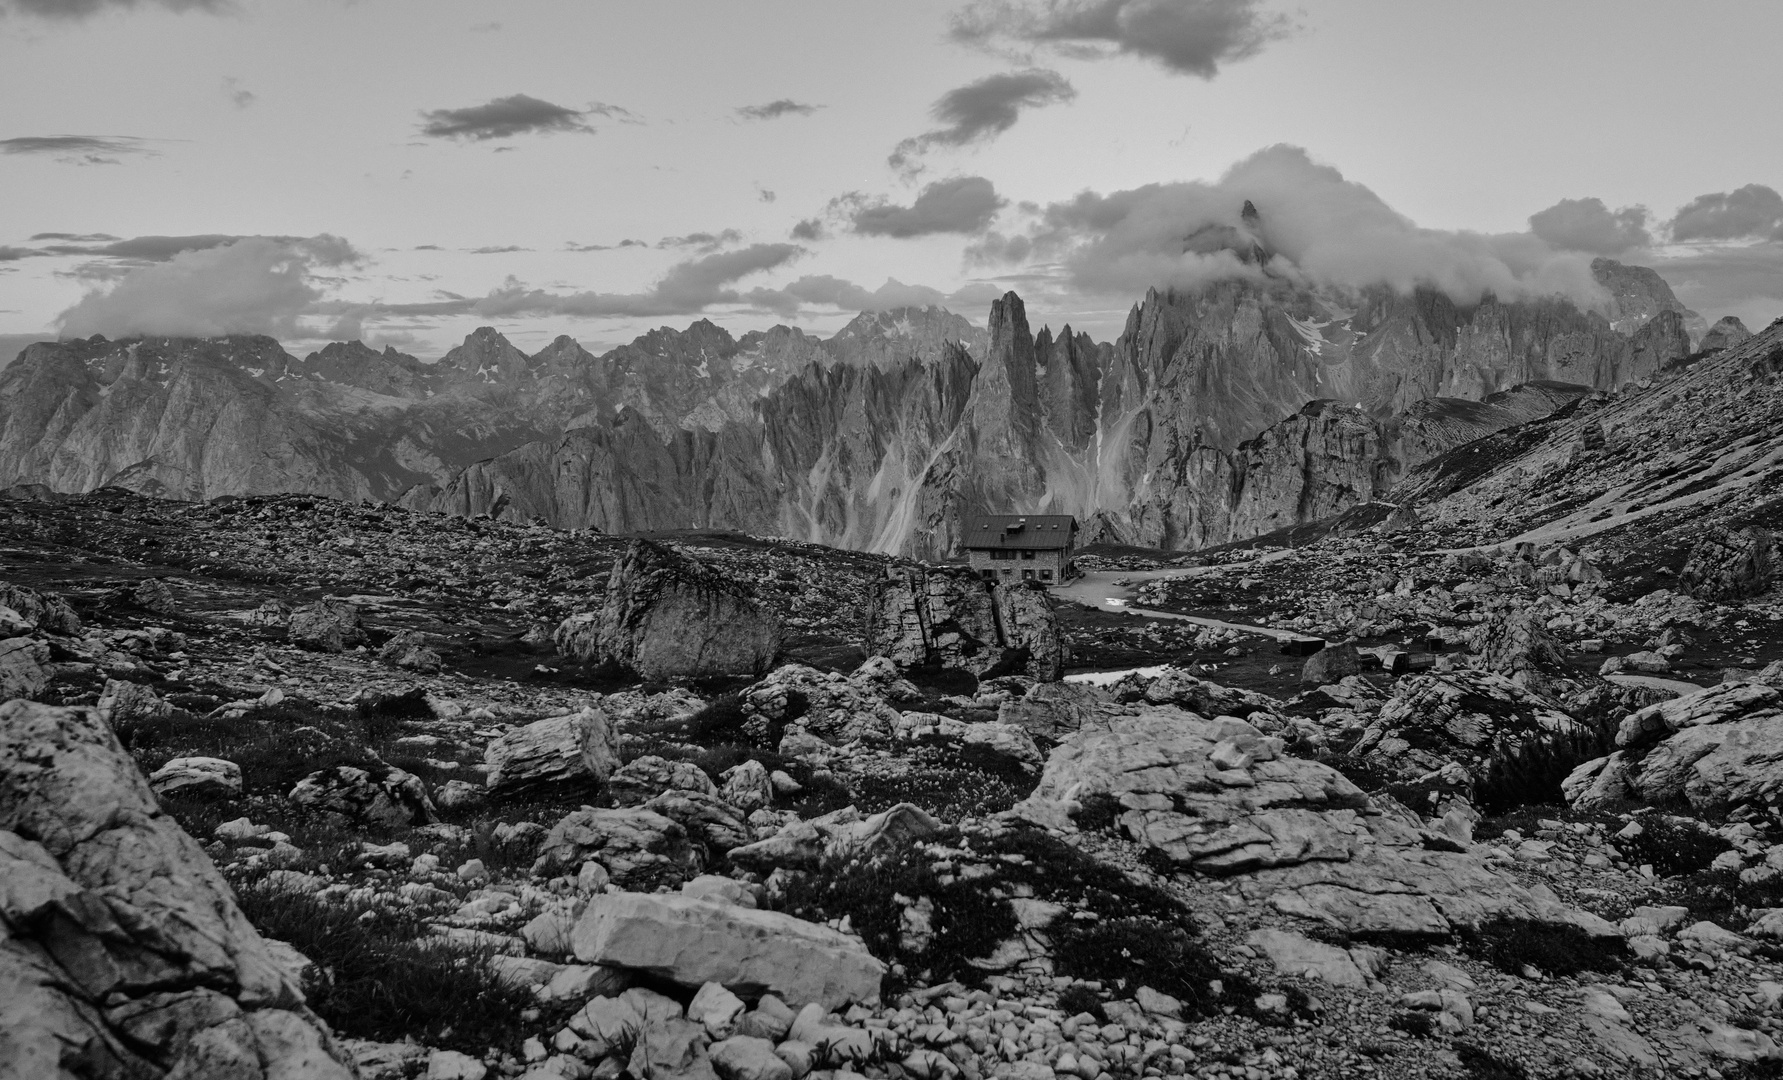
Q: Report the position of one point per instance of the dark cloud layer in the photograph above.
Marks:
(1589, 225)
(1754, 212)
(982, 110)
(1190, 37)
(964, 204)
(704, 242)
(688, 288)
(322, 249)
(78, 149)
(81, 9)
(504, 118)
(773, 110)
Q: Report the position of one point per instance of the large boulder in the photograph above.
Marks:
(575, 748)
(1215, 796)
(125, 954)
(640, 849)
(666, 615)
(21, 667)
(1717, 750)
(832, 706)
(642, 779)
(1517, 645)
(375, 794)
(46, 611)
(750, 952)
(1726, 567)
(326, 625)
(952, 618)
(1050, 712)
(1512, 745)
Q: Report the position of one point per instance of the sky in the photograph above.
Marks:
(404, 171)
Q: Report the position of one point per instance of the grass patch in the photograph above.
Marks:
(1133, 952)
(382, 978)
(1512, 944)
(1482, 1064)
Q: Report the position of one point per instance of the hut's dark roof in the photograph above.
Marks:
(1036, 532)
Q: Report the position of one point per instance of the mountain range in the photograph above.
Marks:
(1220, 412)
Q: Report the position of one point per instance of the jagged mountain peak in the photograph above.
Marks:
(886, 338)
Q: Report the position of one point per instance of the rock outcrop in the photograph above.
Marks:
(1727, 332)
(665, 615)
(125, 955)
(1726, 566)
(951, 618)
(1716, 750)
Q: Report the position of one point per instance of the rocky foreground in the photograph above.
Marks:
(298, 788)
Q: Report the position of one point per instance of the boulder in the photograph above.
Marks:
(1050, 712)
(1518, 646)
(1175, 686)
(125, 954)
(1726, 566)
(326, 625)
(376, 794)
(639, 849)
(154, 594)
(672, 1049)
(1330, 664)
(21, 667)
(410, 650)
(1215, 796)
(1513, 745)
(666, 615)
(1717, 749)
(642, 779)
(1004, 743)
(575, 748)
(829, 705)
(126, 704)
(1295, 955)
(744, 1057)
(711, 822)
(952, 618)
(748, 786)
(838, 835)
(44, 611)
(750, 952)
(204, 776)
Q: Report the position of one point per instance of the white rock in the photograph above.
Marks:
(197, 776)
(692, 942)
(717, 1010)
(744, 1058)
(452, 1065)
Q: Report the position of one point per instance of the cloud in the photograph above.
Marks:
(322, 249)
(1726, 279)
(504, 118)
(773, 110)
(1754, 212)
(255, 284)
(688, 288)
(764, 195)
(828, 291)
(238, 94)
(13, 254)
(982, 110)
(1189, 37)
(810, 229)
(78, 149)
(502, 250)
(704, 242)
(1589, 225)
(80, 9)
(573, 246)
(963, 204)
(1320, 227)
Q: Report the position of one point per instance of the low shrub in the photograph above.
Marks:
(1134, 952)
(1558, 949)
(1482, 1064)
(1074, 1000)
(1674, 846)
(966, 920)
(382, 977)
